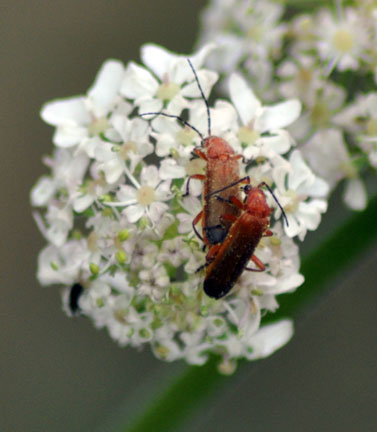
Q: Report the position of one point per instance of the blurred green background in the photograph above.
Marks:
(61, 374)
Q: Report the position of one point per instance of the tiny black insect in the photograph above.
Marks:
(74, 296)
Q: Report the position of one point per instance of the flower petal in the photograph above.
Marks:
(278, 116)
(134, 212)
(169, 169)
(71, 111)
(42, 191)
(243, 98)
(302, 174)
(113, 169)
(310, 213)
(355, 195)
(158, 59)
(138, 82)
(270, 338)
(206, 78)
(127, 194)
(200, 56)
(106, 86)
(156, 210)
(150, 176)
(279, 143)
(68, 136)
(81, 203)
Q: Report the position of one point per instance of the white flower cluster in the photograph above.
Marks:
(119, 228)
(326, 58)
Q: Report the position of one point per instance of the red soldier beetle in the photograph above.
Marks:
(222, 168)
(227, 261)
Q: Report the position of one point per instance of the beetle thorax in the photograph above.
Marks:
(217, 148)
(256, 203)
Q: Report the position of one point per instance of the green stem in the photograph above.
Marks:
(180, 399)
(307, 3)
(336, 253)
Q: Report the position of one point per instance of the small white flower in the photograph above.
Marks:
(303, 32)
(360, 119)
(133, 146)
(320, 111)
(192, 206)
(301, 194)
(269, 339)
(301, 78)
(243, 30)
(174, 251)
(97, 295)
(216, 326)
(59, 223)
(175, 80)
(195, 351)
(244, 313)
(369, 146)
(344, 41)
(146, 198)
(166, 349)
(42, 191)
(80, 117)
(62, 265)
(281, 275)
(117, 323)
(67, 175)
(154, 283)
(257, 120)
(327, 154)
(89, 193)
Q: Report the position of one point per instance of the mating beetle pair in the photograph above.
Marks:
(231, 229)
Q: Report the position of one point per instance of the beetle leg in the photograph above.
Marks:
(258, 263)
(213, 252)
(200, 154)
(236, 202)
(195, 221)
(268, 233)
(229, 217)
(231, 200)
(209, 257)
(201, 177)
(246, 161)
(200, 268)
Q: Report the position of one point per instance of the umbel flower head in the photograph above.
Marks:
(119, 229)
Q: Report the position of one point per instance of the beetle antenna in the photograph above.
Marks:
(176, 117)
(202, 94)
(277, 202)
(243, 179)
